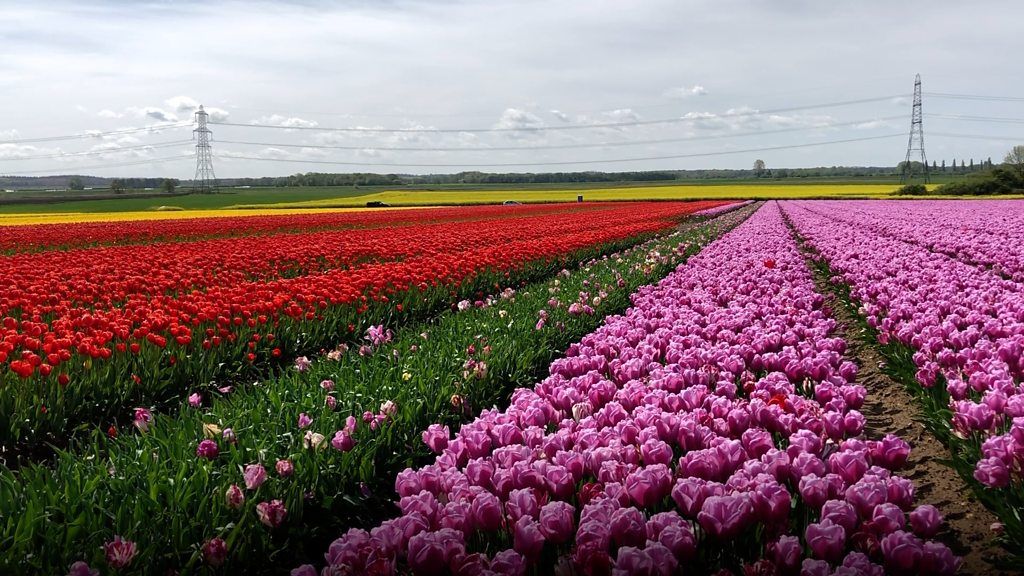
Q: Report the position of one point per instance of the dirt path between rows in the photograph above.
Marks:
(889, 408)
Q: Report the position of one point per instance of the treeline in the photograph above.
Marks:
(1007, 178)
(364, 179)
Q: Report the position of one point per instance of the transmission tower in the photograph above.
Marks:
(205, 181)
(916, 142)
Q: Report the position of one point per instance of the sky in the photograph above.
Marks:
(110, 88)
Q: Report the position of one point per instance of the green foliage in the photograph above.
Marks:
(912, 190)
(998, 180)
(76, 183)
(169, 185)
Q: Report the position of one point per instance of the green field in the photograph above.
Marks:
(346, 196)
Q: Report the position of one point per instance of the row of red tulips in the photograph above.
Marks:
(75, 338)
(36, 237)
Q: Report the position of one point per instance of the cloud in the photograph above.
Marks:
(620, 115)
(107, 113)
(686, 91)
(182, 104)
(152, 112)
(515, 118)
(286, 121)
(560, 115)
(20, 151)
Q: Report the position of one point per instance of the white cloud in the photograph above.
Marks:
(286, 121)
(686, 91)
(560, 115)
(152, 112)
(517, 118)
(182, 104)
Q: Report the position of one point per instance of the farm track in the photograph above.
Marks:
(889, 408)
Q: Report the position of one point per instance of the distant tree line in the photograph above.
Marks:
(988, 179)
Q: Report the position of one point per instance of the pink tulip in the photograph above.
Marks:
(925, 520)
(724, 517)
(271, 513)
(284, 468)
(826, 540)
(207, 449)
(557, 520)
(215, 551)
(119, 552)
(234, 497)
(255, 475)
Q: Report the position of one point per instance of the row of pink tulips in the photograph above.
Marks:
(972, 231)
(965, 324)
(713, 426)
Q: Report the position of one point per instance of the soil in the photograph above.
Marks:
(889, 408)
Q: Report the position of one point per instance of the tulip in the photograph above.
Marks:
(234, 497)
(826, 540)
(925, 520)
(557, 520)
(284, 468)
(215, 551)
(207, 449)
(304, 420)
(724, 517)
(342, 441)
(902, 552)
(255, 475)
(80, 568)
(119, 552)
(436, 437)
(528, 538)
(271, 513)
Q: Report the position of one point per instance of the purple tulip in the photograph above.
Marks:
(926, 520)
(724, 517)
(486, 512)
(557, 521)
(902, 551)
(207, 449)
(826, 540)
(528, 538)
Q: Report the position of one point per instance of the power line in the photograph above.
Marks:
(87, 135)
(568, 162)
(977, 136)
(974, 97)
(558, 146)
(97, 152)
(994, 119)
(682, 119)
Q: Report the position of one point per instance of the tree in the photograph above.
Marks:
(1015, 159)
(943, 165)
(168, 185)
(759, 168)
(117, 186)
(76, 184)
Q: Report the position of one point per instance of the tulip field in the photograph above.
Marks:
(594, 388)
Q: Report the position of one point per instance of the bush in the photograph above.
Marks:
(912, 190)
(999, 180)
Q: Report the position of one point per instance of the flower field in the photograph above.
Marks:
(588, 389)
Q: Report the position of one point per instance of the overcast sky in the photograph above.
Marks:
(729, 78)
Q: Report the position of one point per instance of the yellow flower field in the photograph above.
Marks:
(678, 192)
